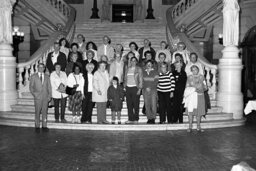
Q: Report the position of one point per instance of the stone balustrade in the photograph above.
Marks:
(174, 36)
(181, 7)
(26, 69)
(61, 6)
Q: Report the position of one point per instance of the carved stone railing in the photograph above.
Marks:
(182, 7)
(26, 69)
(174, 36)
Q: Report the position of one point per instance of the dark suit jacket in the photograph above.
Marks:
(84, 63)
(60, 59)
(40, 91)
(143, 57)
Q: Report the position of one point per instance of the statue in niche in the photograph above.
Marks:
(137, 10)
(106, 10)
(230, 22)
(6, 21)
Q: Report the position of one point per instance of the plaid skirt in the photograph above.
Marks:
(75, 102)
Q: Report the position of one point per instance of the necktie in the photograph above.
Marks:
(41, 77)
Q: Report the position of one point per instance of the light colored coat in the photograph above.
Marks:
(100, 83)
(113, 68)
(56, 81)
(110, 52)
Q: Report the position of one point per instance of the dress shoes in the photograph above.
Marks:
(129, 122)
(45, 129)
(64, 121)
(37, 130)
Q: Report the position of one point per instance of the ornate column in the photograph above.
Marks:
(8, 93)
(229, 94)
(95, 10)
(150, 10)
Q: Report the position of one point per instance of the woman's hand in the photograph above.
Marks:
(171, 95)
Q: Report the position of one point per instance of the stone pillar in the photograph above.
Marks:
(229, 94)
(8, 93)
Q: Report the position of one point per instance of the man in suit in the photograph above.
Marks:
(106, 49)
(40, 87)
(90, 55)
(56, 56)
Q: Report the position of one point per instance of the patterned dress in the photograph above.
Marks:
(197, 81)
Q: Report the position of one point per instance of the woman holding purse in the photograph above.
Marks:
(59, 81)
(76, 81)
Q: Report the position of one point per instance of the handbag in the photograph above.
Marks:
(51, 103)
(71, 90)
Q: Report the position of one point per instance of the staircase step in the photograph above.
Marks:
(122, 127)
(31, 108)
(143, 118)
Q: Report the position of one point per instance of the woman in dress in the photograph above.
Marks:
(76, 79)
(194, 97)
(99, 93)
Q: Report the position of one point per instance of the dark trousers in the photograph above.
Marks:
(87, 107)
(133, 103)
(164, 106)
(178, 108)
(62, 104)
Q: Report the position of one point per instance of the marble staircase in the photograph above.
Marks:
(123, 33)
(22, 114)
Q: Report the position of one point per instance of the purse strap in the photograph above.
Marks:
(75, 77)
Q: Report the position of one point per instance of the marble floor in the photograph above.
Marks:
(213, 150)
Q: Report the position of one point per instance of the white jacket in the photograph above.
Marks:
(55, 83)
(190, 98)
(79, 80)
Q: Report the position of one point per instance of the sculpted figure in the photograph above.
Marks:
(6, 21)
(230, 22)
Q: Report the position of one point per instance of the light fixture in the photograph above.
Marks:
(220, 39)
(123, 13)
(18, 37)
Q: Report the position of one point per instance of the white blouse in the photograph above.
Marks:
(76, 79)
(56, 80)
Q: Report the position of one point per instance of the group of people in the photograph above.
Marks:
(108, 75)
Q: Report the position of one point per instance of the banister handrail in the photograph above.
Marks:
(52, 38)
(183, 37)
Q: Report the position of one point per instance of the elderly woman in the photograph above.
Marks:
(76, 79)
(70, 64)
(181, 49)
(88, 88)
(163, 49)
(99, 93)
(74, 50)
(59, 81)
(92, 46)
(117, 68)
(133, 85)
(193, 61)
(134, 48)
(194, 97)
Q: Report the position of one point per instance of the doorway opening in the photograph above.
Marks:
(122, 13)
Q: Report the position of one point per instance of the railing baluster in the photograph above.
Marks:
(214, 81)
(26, 75)
(20, 85)
(208, 76)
